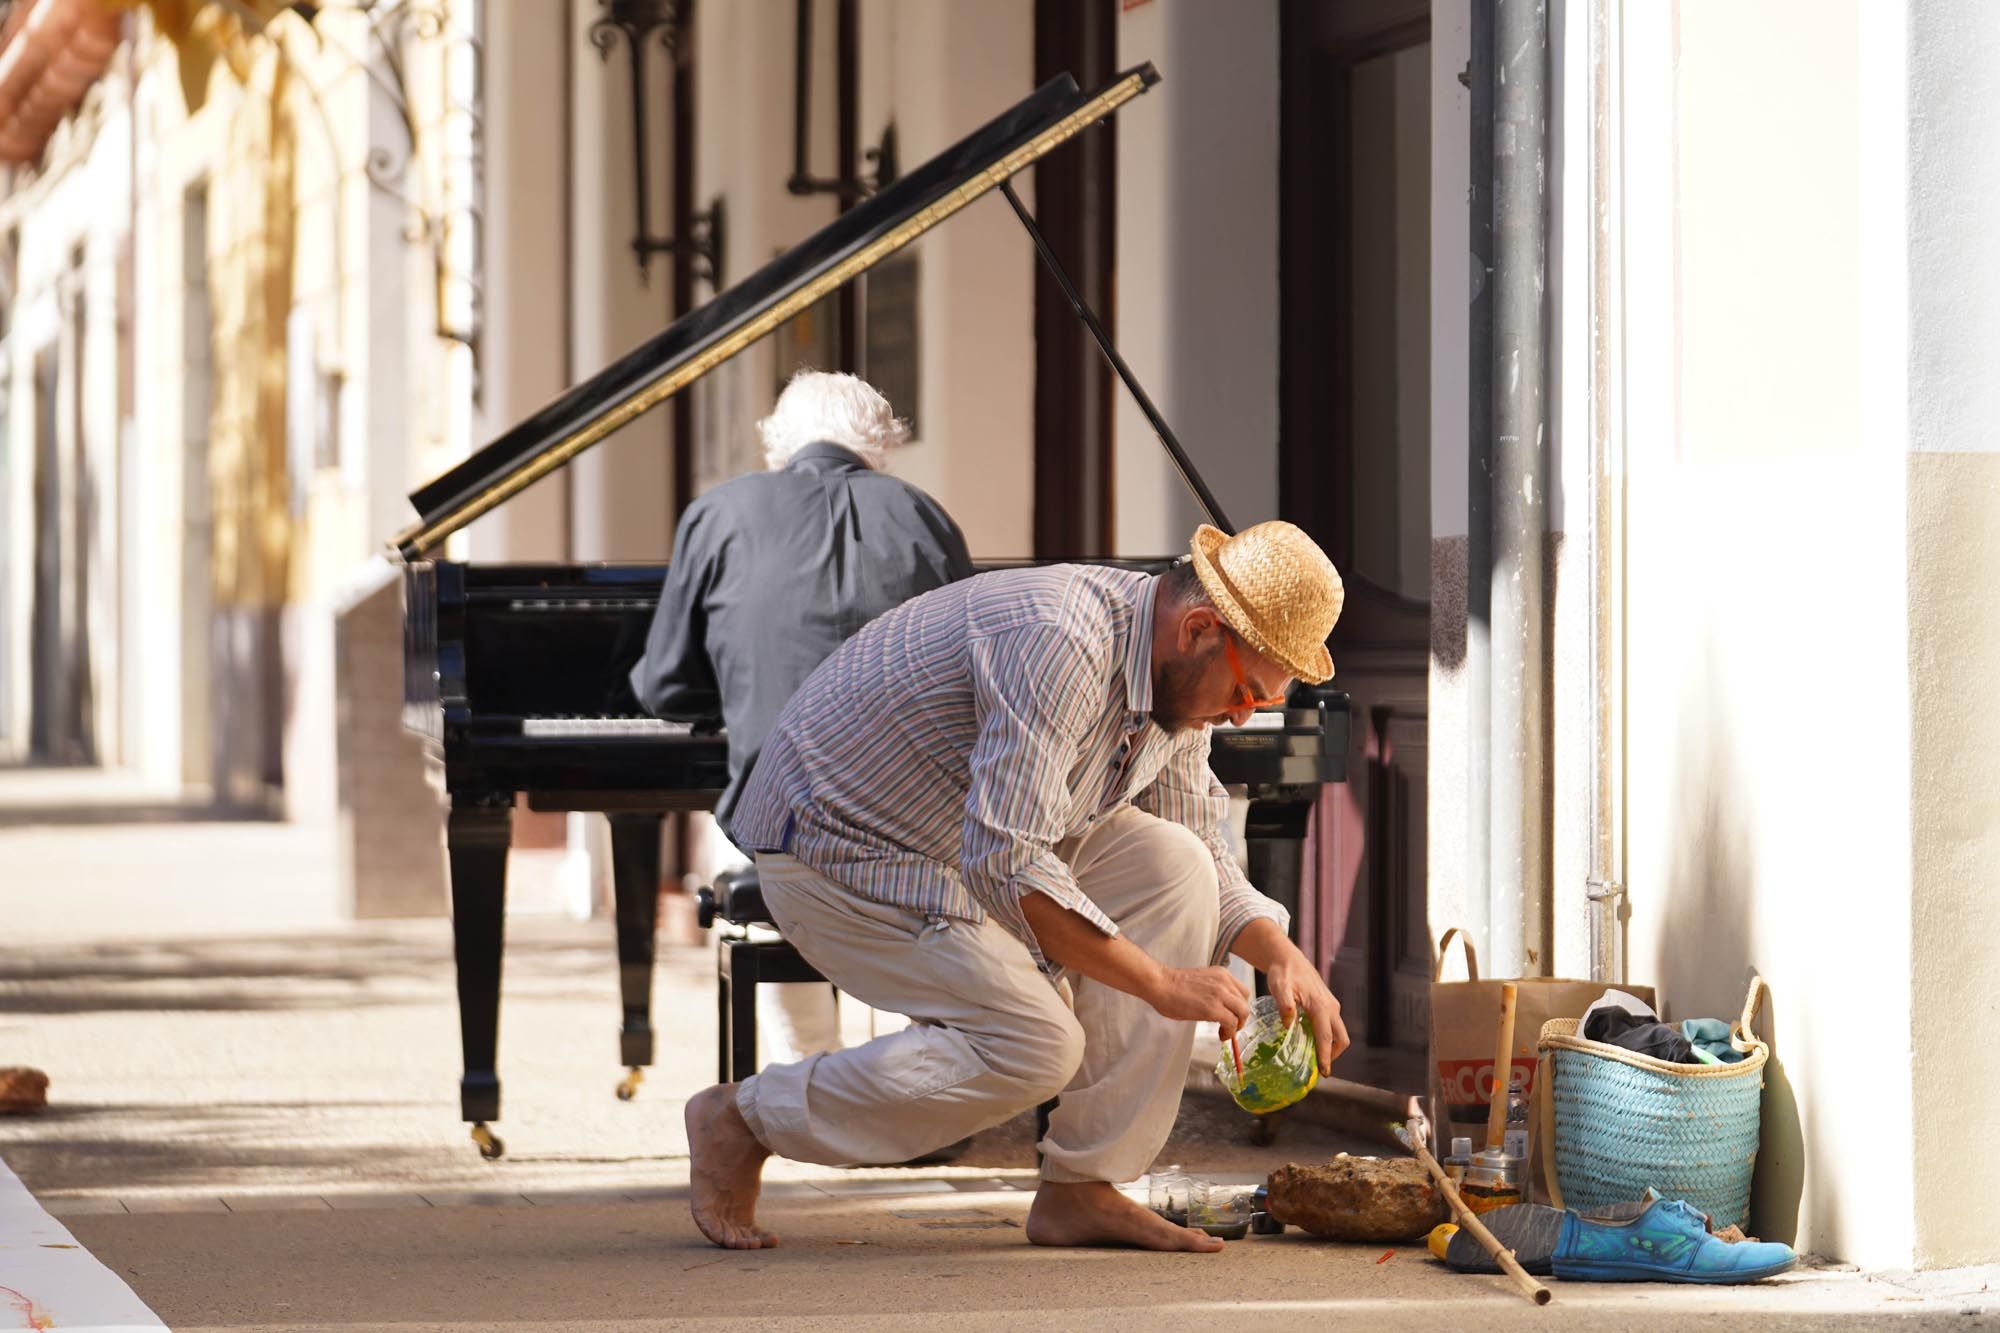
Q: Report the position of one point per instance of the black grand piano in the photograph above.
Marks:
(515, 674)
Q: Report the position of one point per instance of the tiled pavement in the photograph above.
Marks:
(222, 1045)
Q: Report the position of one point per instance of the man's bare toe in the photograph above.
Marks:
(1095, 1214)
(732, 1237)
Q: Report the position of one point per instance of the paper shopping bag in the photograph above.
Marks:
(1465, 1028)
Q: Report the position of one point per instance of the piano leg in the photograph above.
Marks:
(635, 878)
(477, 833)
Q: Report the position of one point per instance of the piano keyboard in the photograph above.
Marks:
(603, 726)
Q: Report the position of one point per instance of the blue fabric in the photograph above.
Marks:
(1711, 1035)
(1669, 1242)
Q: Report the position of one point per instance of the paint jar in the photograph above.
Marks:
(1492, 1181)
(1167, 1194)
(1460, 1159)
(1220, 1210)
(1280, 1064)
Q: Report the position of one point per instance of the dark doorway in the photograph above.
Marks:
(60, 708)
(1354, 470)
(48, 682)
(197, 547)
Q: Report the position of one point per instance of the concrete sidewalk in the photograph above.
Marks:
(253, 1121)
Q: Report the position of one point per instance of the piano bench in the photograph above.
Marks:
(742, 963)
(736, 898)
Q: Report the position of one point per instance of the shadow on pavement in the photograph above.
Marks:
(346, 968)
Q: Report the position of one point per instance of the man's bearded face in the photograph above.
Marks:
(1185, 689)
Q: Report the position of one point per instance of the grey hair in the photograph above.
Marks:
(1182, 585)
(837, 408)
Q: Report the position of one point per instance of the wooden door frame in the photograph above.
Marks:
(1382, 645)
(1076, 192)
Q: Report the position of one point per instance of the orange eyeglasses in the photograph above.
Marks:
(1246, 697)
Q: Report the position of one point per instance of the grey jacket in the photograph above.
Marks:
(771, 572)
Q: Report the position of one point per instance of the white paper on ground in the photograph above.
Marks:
(48, 1280)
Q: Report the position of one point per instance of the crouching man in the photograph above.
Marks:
(998, 784)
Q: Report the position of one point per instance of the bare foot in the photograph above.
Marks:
(1096, 1214)
(725, 1167)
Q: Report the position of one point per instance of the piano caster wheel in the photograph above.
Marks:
(490, 1146)
(628, 1087)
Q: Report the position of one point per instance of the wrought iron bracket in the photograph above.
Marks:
(882, 157)
(703, 244)
(851, 189)
(637, 22)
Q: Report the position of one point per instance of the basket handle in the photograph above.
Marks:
(1740, 1035)
(1545, 1127)
(1471, 955)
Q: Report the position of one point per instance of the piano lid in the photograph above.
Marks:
(712, 333)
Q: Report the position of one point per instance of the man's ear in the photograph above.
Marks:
(1197, 623)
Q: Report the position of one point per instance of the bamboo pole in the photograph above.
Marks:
(1503, 1069)
(1418, 1133)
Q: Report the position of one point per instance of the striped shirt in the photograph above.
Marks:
(939, 756)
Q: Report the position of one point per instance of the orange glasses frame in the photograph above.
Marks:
(1246, 696)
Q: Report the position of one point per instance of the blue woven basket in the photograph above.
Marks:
(1621, 1123)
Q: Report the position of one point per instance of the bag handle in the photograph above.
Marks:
(1740, 1035)
(1471, 955)
(1545, 1127)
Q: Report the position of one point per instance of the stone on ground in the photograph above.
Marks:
(23, 1089)
(1357, 1198)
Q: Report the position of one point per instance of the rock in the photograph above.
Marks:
(1358, 1198)
(23, 1089)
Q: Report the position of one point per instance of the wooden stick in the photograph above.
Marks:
(1503, 1070)
(1418, 1132)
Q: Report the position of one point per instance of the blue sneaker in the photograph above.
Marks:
(1669, 1242)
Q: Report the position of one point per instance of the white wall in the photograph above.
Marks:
(1197, 304)
(1768, 795)
(525, 361)
(1953, 305)
(80, 205)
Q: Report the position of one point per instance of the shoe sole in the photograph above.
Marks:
(1593, 1272)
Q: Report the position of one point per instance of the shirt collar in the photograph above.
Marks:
(1139, 651)
(827, 451)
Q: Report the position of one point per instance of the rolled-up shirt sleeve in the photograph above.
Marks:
(1035, 689)
(1187, 793)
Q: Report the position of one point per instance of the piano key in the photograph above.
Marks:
(603, 726)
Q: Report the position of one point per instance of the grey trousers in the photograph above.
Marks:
(991, 1036)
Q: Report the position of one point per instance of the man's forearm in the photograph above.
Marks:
(1261, 943)
(1068, 940)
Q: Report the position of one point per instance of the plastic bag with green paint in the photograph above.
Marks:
(1280, 1064)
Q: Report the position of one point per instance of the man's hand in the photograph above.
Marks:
(1201, 994)
(1295, 984)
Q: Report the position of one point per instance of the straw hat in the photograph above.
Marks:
(1277, 589)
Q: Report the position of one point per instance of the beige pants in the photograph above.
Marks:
(990, 1036)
